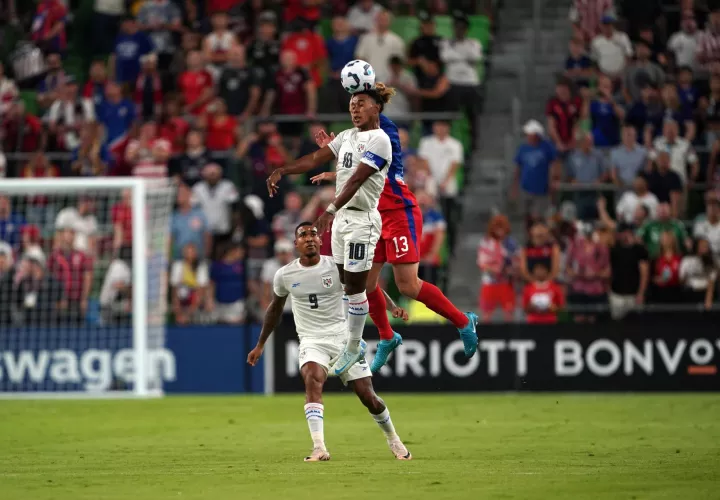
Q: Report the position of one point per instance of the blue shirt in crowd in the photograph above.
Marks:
(10, 229)
(117, 119)
(341, 52)
(688, 97)
(586, 168)
(628, 162)
(605, 125)
(229, 279)
(189, 227)
(534, 163)
(582, 62)
(128, 51)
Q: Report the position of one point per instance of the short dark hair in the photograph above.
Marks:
(303, 223)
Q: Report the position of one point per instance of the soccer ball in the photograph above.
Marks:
(357, 76)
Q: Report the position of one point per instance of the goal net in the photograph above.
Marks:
(83, 287)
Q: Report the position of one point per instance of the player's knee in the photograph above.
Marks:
(409, 287)
(373, 403)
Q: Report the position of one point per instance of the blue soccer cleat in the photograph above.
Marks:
(469, 335)
(384, 349)
(347, 359)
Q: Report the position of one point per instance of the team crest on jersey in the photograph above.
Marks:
(327, 281)
(361, 148)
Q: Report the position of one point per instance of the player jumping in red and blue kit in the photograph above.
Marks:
(399, 246)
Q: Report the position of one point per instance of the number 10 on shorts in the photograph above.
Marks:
(357, 251)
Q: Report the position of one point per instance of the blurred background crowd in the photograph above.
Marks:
(212, 95)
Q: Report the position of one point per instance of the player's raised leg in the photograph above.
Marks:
(366, 393)
(314, 376)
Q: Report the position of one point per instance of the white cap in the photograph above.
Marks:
(36, 254)
(533, 127)
(283, 245)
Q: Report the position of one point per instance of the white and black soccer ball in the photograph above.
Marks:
(357, 76)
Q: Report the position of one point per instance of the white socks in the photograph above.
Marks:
(346, 306)
(314, 417)
(385, 423)
(358, 309)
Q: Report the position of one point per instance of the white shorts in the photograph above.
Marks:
(234, 312)
(322, 351)
(354, 238)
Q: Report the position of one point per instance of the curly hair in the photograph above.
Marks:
(380, 93)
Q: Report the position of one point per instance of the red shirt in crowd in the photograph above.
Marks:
(309, 48)
(48, 14)
(291, 96)
(121, 213)
(192, 85)
(298, 8)
(71, 266)
(545, 299)
(213, 6)
(174, 131)
(29, 127)
(668, 269)
(566, 116)
(220, 133)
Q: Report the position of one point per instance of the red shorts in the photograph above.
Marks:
(497, 296)
(400, 238)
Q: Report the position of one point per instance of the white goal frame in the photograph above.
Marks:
(138, 188)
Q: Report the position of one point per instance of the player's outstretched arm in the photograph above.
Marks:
(300, 166)
(273, 313)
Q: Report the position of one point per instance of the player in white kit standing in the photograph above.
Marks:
(313, 281)
(363, 154)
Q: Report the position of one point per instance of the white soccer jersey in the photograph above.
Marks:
(372, 147)
(317, 297)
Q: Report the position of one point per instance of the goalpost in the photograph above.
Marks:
(83, 287)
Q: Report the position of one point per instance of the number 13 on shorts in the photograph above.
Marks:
(401, 246)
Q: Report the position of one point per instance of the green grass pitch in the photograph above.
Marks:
(465, 447)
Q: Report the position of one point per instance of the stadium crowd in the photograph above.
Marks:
(619, 182)
(191, 92)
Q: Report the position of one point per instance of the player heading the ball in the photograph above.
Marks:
(363, 154)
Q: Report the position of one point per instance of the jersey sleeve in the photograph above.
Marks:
(378, 152)
(279, 284)
(336, 143)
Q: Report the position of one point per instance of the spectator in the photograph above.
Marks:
(630, 272)
(641, 72)
(611, 49)
(652, 231)
(666, 288)
(148, 155)
(11, 222)
(188, 166)
(107, 17)
(257, 236)
(536, 169)
(381, 44)
(362, 16)
(121, 217)
(295, 94)
(586, 166)
(68, 114)
(605, 114)
(497, 260)
(308, 47)
(677, 112)
(688, 94)
(684, 44)
(148, 95)
(94, 88)
(627, 160)
(427, 45)
(162, 20)
(221, 129)
(73, 268)
(189, 279)
(433, 89)
(341, 50)
(21, 131)
(37, 296)
(83, 221)
(309, 146)
(264, 51)
(173, 127)
(664, 183)
(51, 86)
(117, 115)
(218, 198)
(541, 249)
(542, 297)
(630, 201)
(563, 117)
(227, 286)
(461, 56)
(91, 158)
(8, 91)
(578, 66)
(48, 26)
(709, 40)
(405, 86)
(219, 43)
(444, 155)
(433, 238)
(190, 42)
(196, 85)
(284, 254)
(29, 238)
(285, 222)
(588, 268)
(698, 274)
(189, 225)
(6, 261)
(240, 86)
(116, 292)
(682, 154)
(645, 114)
(586, 17)
(709, 111)
(130, 45)
(708, 227)
(38, 207)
